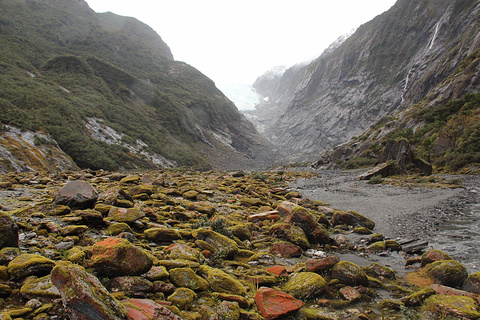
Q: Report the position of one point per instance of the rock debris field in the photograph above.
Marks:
(219, 245)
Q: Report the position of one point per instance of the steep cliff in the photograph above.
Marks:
(107, 90)
(388, 64)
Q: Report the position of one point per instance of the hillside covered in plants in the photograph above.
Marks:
(108, 92)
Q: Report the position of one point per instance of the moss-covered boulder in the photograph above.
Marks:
(117, 228)
(127, 215)
(349, 273)
(447, 272)
(186, 277)
(377, 270)
(433, 255)
(38, 288)
(158, 234)
(29, 265)
(352, 218)
(8, 231)
(222, 282)
(291, 233)
(83, 296)
(228, 310)
(417, 298)
(184, 252)
(118, 257)
(241, 231)
(458, 307)
(220, 243)
(305, 285)
(183, 298)
(472, 284)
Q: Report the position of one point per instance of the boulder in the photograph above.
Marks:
(146, 309)
(447, 272)
(286, 250)
(186, 277)
(275, 304)
(290, 233)
(163, 234)
(221, 282)
(377, 270)
(319, 265)
(131, 286)
(433, 255)
(126, 215)
(384, 169)
(472, 284)
(349, 273)
(118, 257)
(83, 296)
(182, 251)
(29, 265)
(458, 307)
(182, 298)
(349, 293)
(37, 288)
(352, 218)
(7, 254)
(417, 298)
(77, 195)
(157, 273)
(221, 244)
(8, 231)
(305, 285)
(228, 310)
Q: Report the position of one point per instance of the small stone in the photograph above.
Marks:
(274, 304)
(264, 259)
(157, 273)
(280, 271)
(472, 283)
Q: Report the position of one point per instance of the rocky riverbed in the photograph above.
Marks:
(219, 245)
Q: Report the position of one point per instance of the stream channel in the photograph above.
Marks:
(448, 218)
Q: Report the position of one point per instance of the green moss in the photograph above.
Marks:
(456, 306)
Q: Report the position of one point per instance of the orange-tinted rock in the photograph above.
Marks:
(286, 250)
(118, 257)
(273, 303)
(77, 195)
(350, 293)
(280, 271)
(317, 265)
(83, 296)
(285, 208)
(144, 309)
(449, 291)
(434, 255)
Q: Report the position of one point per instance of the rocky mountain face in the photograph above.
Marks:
(387, 65)
(108, 92)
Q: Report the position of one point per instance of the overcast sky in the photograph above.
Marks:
(234, 41)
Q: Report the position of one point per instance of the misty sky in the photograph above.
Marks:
(237, 41)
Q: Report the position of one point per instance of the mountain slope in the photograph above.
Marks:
(107, 89)
(388, 64)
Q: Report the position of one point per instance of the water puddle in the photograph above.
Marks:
(460, 238)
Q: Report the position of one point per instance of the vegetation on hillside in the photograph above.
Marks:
(62, 64)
